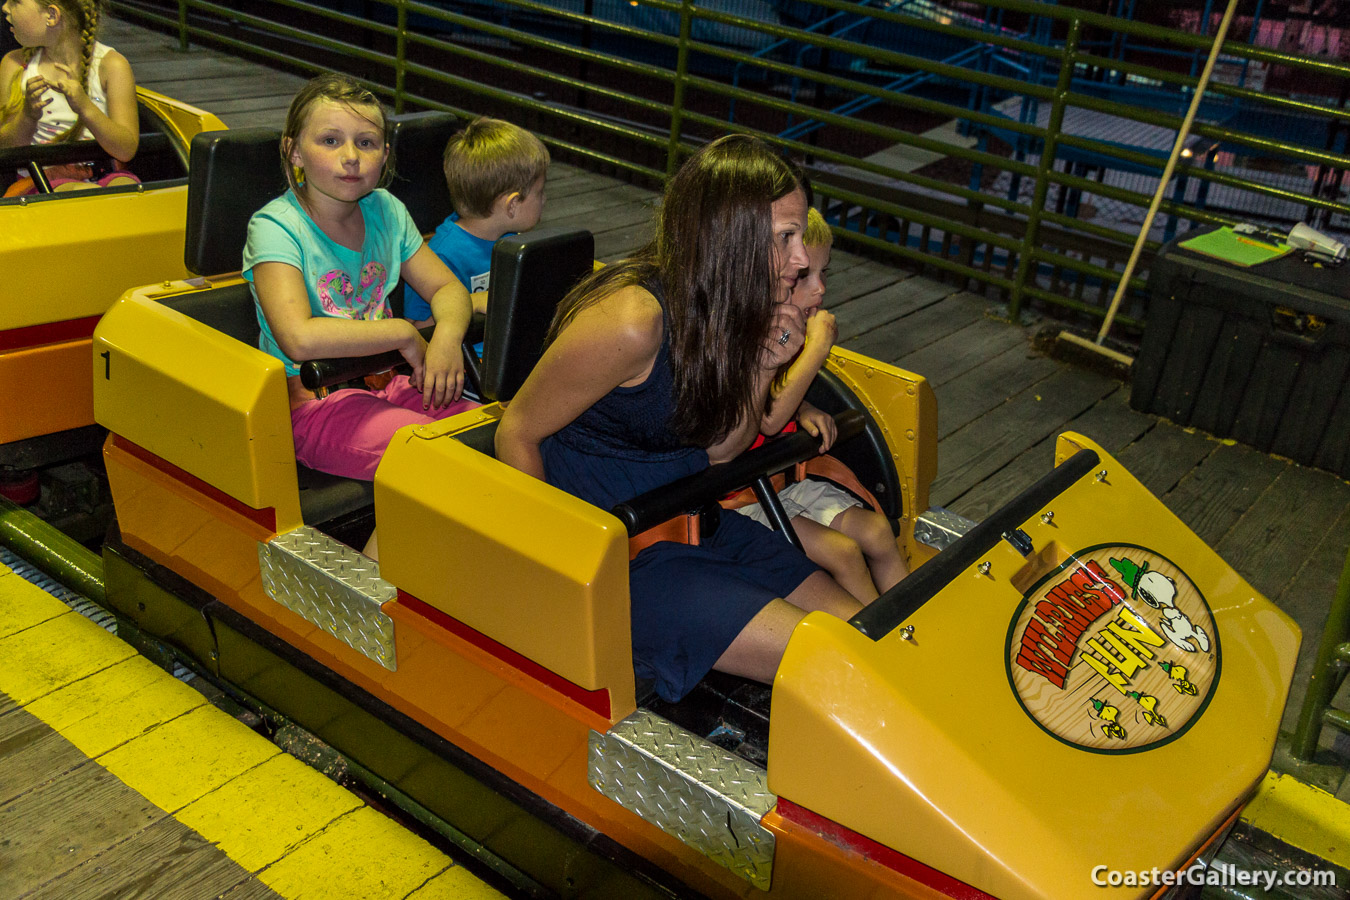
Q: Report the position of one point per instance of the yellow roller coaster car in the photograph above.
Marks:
(68, 256)
(1076, 682)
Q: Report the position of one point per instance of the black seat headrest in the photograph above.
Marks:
(418, 145)
(530, 275)
(231, 175)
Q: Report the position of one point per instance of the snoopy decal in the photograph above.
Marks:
(1159, 592)
(1097, 668)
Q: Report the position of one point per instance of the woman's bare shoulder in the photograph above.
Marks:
(630, 315)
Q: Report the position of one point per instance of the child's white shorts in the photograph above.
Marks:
(819, 501)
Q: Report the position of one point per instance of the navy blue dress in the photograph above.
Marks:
(688, 602)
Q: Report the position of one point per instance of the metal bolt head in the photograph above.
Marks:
(1048, 516)
(1101, 476)
(984, 567)
(907, 633)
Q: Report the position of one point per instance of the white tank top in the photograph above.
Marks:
(57, 116)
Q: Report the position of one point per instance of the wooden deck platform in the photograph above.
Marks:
(1283, 526)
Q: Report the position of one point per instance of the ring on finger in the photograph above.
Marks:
(785, 337)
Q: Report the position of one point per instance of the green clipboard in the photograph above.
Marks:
(1237, 249)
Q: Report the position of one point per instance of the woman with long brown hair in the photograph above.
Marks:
(661, 364)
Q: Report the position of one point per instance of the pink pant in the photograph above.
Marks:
(346, 432)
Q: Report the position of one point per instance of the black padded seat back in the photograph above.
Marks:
(867, 455)
(418, 144)
(530, 275)
(232, 174)
(229, 309)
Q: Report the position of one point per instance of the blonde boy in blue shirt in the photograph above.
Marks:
(495, 172)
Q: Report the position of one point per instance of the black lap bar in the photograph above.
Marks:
(715, 482)
(35, 156)
(322, 373)
(892, 608)
(51, 154)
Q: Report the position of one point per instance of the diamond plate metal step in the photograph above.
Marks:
(333, 586)
(690, 788)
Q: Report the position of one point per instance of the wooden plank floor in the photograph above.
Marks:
(1283, 526)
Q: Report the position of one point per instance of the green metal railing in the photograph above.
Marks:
(635, 99)
(1333, 661)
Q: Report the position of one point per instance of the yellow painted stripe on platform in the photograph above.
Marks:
(41, 659)
(116, 705)
(301, 834)
(25, 605)
(1302, 816)
(187, 757)
(268, 811)
(376, 857)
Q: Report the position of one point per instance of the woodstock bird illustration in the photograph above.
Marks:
(1159, 592)
(1107, 713)
(1178, 675)
(1149, 704)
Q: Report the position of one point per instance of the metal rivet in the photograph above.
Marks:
(1048, 516)
(907, 633)
(984, 567)
(1101, 476)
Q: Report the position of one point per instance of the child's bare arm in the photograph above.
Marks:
(821, 331)
(451, 309)
(117, 131)
(17, 129)
(818, 423)
(303, 336)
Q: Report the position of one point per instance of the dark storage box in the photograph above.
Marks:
(1259, 354)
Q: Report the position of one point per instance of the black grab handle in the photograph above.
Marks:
(715, 482)
(882, 615)
(322, 373)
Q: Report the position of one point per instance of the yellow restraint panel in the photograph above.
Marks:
(524, 563)
(183, 120)
(199, 399)
(906, 411)
(1106, 701)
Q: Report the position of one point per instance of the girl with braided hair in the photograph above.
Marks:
(63, 85)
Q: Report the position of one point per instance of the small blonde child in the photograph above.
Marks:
(854, 544)
(63, 85)
(495, 173)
